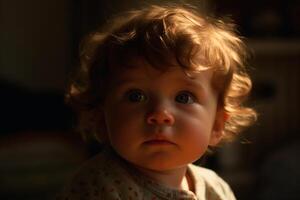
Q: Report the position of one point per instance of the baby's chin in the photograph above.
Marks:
(164, 163)
(163, 160)
(158, 166)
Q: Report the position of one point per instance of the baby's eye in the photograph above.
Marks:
(185, 97)
(136, 95)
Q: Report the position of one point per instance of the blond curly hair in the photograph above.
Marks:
(160, 35)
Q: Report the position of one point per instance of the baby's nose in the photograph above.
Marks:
(161, 117)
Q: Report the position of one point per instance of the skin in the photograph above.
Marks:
(162, 121)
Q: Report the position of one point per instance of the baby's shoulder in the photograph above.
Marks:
(91, 169)
(205, 174)
(214, 185)
(100, 177)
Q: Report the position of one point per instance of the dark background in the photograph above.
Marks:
(39, 49)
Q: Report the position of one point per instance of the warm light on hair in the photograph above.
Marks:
(163, 36)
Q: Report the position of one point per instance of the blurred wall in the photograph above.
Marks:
(35, 43)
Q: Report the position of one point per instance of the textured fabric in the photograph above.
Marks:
(108, 177)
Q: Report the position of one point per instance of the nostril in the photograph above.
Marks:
(160, 118)
(167, 121)
(153, 120)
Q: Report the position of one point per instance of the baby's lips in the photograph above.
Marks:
(158, 142)
(159, 138)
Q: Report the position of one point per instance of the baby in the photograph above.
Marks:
(157, 88)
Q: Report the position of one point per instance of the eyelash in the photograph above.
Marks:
(131, 96)
(191, 98)
(137, 95)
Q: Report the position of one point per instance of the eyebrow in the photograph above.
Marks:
(126, 80)
(188, 81)
(123, 83)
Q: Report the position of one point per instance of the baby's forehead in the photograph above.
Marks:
(139, 66)
(141, 71)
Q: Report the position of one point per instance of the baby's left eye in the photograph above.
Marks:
(185, 97)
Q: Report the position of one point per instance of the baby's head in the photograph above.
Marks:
(162, 42)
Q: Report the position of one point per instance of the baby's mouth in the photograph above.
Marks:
(158, 142)
(160, 136)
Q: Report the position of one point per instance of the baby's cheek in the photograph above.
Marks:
(194, 129)
(123, 127)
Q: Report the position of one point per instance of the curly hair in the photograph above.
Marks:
(162, 35)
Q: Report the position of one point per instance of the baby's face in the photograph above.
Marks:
(162, 120)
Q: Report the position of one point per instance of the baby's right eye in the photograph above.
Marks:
(136, 95)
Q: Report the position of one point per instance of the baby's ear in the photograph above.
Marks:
(218, 127)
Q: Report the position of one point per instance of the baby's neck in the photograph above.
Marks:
(176, 178)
